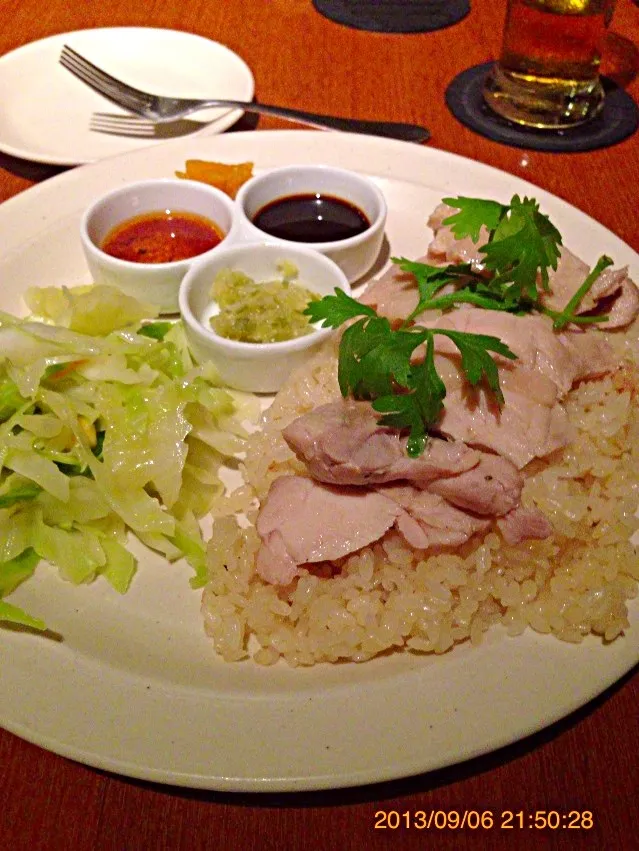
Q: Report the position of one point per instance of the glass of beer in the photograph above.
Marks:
(548, 73)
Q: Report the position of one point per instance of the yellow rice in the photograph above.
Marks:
(389, 597)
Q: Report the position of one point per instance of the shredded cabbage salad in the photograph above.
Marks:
(106, 427)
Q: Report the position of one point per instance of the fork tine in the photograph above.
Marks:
(81, 62)
(103, 83)
(105, 89)
(122, 125)
(136, 126)
(133, 120)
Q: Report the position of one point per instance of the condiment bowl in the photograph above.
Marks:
(254, 367)
(155, 283)
(355, 255)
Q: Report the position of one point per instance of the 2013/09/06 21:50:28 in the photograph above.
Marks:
(484, 820)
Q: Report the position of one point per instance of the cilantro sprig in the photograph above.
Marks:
(521, 247)
(375, 363)
(522, 242)
(568, 315)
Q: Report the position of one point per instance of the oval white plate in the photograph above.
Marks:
(134, 686)
(45, 112)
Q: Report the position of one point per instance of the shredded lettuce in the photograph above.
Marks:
(15, 615)
(95, 309)
(106, 427)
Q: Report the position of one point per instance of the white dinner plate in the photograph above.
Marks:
(46, 112)
(133, 685)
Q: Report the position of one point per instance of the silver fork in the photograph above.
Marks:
(161, 110)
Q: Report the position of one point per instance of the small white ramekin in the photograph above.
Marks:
(354, 255)
(254, 367)
(156, 283)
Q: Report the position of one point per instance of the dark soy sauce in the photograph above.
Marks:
(311, 217)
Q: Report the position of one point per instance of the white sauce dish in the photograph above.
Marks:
(329, 201)
(154, 282)
(254, 367)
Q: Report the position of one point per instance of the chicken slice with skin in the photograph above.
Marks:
(613, 294)
(527, 425)
(563, 358)
(532, 422)
(446, 248)
(522, 524)
(302, 521)
(428, 521)
(393, 295)
(343, 443)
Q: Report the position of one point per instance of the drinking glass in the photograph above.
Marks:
(547, 75)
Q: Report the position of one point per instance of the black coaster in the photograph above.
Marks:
(394, 16)
(618, 119)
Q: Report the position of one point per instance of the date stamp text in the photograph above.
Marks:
(483, 820)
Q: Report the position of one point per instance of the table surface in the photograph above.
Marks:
(585, 762)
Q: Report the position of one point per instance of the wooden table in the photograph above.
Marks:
(586, 762)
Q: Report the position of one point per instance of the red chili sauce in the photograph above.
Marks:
(162, 237)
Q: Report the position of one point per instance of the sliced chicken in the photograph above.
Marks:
(592, 353)
(492, 488)
(622, 305)
(439, 500)
(304, 521)
(613, 294)
(393, 295)
(528, 425)
(562, 358)
(428, 521)
(342, 443)
(445, 248)
(522, 524)
(532, 422)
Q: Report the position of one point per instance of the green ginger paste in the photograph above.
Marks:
(261, 312)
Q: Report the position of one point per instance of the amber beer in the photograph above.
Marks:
(548, 72)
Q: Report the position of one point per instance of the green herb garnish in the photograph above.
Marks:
(375, 364)
(21, 493)
(522, 246)
(155, 330)
(567, 315)
(375, 360)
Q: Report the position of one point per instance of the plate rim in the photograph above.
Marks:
(622, 659)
